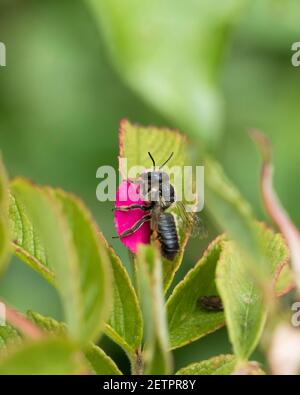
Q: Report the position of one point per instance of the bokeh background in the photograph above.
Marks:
(75, 68)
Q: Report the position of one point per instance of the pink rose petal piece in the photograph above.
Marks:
(124, 220)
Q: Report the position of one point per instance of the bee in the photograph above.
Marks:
(211, 303)
(159, 196)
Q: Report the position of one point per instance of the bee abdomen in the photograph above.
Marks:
(167, 235)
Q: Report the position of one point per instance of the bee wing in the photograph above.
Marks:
(190, 221)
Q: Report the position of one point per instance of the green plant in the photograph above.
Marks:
(53, 232)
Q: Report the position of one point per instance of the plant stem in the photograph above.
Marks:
(137, 363)
(274, 207)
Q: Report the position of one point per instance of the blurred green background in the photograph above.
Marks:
(75, 68)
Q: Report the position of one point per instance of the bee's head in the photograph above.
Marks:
(156, 176)
(155, 182)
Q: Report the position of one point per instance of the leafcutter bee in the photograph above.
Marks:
(159, 198)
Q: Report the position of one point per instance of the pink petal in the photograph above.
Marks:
(128, 194)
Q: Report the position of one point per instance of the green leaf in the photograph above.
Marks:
(48, 324)
(63, 246)
(233, 214)
(230, 210)
(242, 297)
(9, 336)
(4, 222)
(243, 301)
(173, 59)
(49, 356)
(26, 242)
(94, 265)
(285, 281)
(277, 256)
(135, 142)
(220, 365)
(46, 241)
(149, 274)
(125, 325)
(245, 274)
(187, 319)
(101, 362)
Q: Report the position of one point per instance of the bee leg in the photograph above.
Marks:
(135, 227)
(131, 207)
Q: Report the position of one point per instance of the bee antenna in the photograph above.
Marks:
(167, 160)
(151, 157)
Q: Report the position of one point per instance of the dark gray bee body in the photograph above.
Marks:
(167, 235)
(157, 189)
(158, 194)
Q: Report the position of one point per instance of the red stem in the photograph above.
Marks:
(274, 207)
